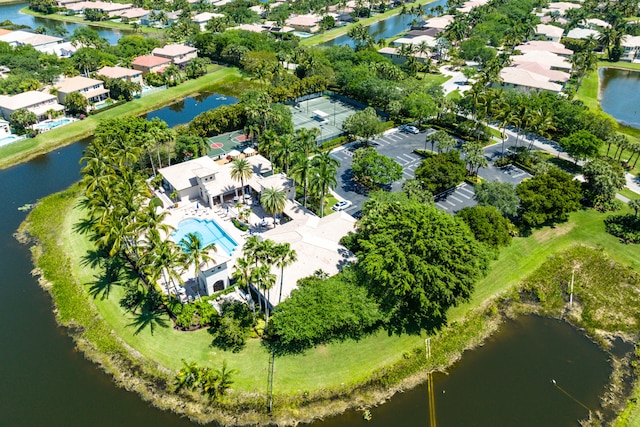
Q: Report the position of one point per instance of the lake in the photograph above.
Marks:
(185, 110)
(385, 28)
(12, 13)
(506, 382)
(620, 95)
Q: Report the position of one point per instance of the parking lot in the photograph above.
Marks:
(396, 145)
(400, 146)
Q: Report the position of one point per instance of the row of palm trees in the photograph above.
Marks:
(298, 155)
(119, 218)
(255, 268)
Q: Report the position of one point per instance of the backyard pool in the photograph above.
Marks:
(9, 139)
(208, 231)
(52, 123)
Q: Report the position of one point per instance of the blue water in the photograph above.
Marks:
(208, 231)
(184, 111)
(53, 124)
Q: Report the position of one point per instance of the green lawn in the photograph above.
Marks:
(628, 193)
(434, 78)
(329, 366)
(588, 91)
(222, 79)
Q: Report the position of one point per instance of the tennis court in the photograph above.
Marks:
(326, 114)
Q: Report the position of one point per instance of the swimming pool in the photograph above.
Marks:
(54, 123)
(208, 231)
(9, 139)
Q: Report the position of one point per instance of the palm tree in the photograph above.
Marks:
(240, 170)
(323, 176)
(196, 252)
(635, 205)
(285, 151)
(273, 201)
(189, 376)
(301, 171)
(266, 279)
(285, 256)
(242, 276)
(163, 256)
(305, 140)
(474, 155)
(267, 143)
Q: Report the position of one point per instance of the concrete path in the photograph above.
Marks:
(457, 81)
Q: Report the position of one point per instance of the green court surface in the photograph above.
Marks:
(221, 145)
(326, 114)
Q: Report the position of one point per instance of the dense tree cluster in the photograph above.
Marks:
(320, 311)
(415, 260)
(441, 172)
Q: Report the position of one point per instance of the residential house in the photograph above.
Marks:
(547, 46)
(309, 23)
(61, 50)
(130, 15)
(121, 73)
(102, 6)
(468, 5)
(549, 32)
(547, 59)
(5, 130)
(631, 46)
(395, 57)
(179, 54)
(439, 23)
(92, 89)
(526, 81)
(202, 19)
(582, 33)
(150, 64)
(594, 24)
(39, 103)
(22, 38)
(561, 7)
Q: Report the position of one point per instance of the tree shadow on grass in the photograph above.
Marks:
(113, 273)
(149, 318)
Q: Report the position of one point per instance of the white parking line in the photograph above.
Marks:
(455, 198)
(401, 161)
(461, 194)
(441, 206)
(408, 174)
(447, 201)
(465, 189)
(518, 175)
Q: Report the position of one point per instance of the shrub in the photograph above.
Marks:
(626, 227)
(239, 225)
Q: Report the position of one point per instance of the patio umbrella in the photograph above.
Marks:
(248, 151)
(234, 153)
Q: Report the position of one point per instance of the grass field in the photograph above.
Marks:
(221, 79)
(330, 366)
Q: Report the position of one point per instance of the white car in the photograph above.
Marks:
(409, 129)
(340, 206)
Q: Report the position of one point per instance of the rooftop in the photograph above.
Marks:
(582, 33)
(521, 77)
(150, 61)
(117, 72)
(25, 99)
(552, 75)
(439, 22)
(548, 46)
(73, 84)
(173, 50)
(549, 30)
(543, 58)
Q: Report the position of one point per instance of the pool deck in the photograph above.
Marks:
(315, 240)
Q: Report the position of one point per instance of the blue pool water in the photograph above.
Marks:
(48, 125)
(9, 139)
(208, 231)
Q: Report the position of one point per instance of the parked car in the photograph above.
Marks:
(409, 129)
(340, 206)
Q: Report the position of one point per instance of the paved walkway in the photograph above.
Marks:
(457, 81)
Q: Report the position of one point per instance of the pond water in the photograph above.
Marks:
(185, 110)
(620, 95)
(12, 13)
(507, 382)
(386, 28)
(45, 381)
